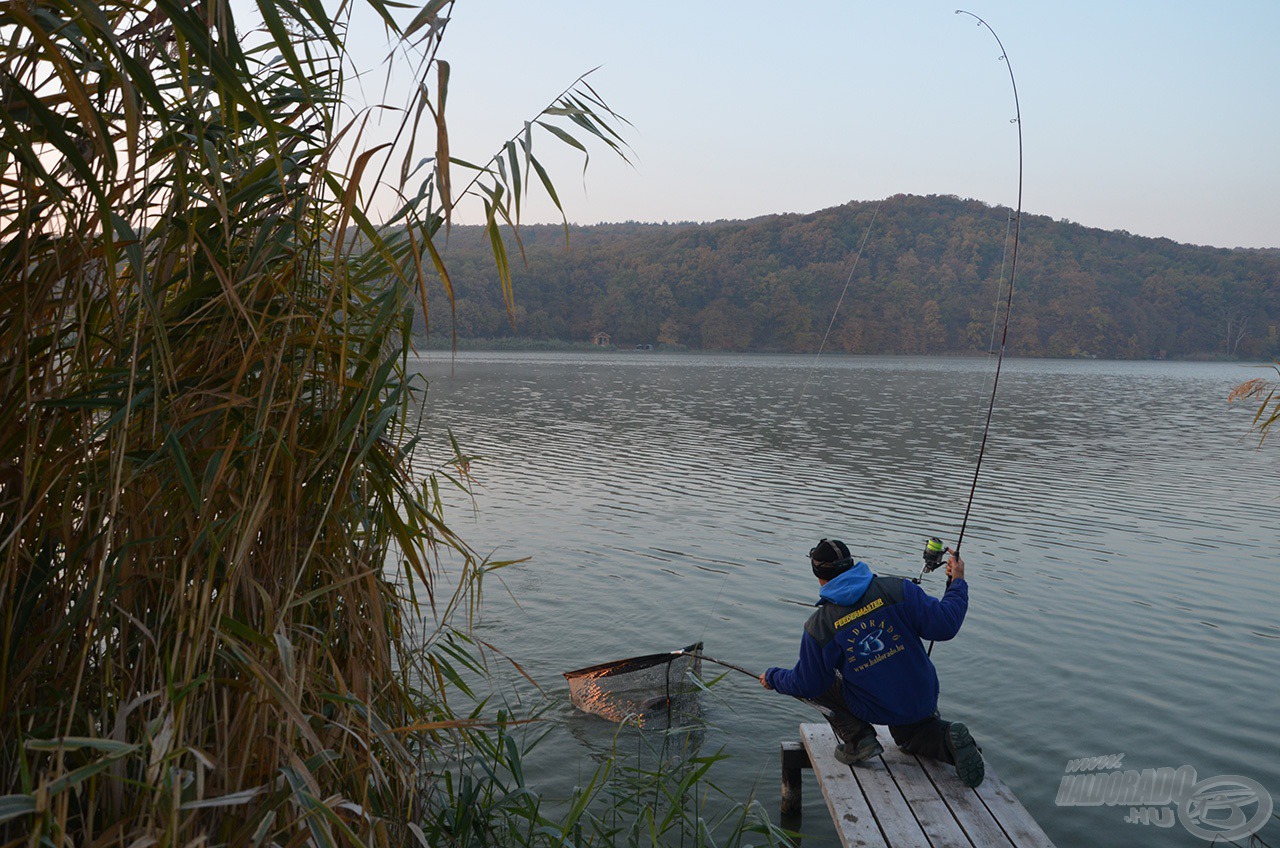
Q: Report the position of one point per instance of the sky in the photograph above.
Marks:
(1157, 118)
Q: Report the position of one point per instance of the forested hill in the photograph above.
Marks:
(926, 283)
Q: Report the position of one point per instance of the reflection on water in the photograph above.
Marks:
(1120, 550)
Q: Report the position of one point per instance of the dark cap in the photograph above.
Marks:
(829, 550)
(830, 558)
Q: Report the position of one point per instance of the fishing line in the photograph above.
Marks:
(990, 349)
(706, 621)
(995, 307)
(835, 312)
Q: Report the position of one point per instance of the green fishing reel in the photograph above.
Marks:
(934, 553)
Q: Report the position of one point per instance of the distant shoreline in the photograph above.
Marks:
(432, 344)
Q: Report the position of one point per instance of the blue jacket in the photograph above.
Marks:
(869, 629)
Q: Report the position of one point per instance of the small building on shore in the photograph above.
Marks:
(601, 339)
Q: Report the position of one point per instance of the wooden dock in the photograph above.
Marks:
(898, 799)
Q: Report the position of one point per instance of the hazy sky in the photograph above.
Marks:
(1160, 118)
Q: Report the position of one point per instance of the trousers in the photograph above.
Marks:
(927, 738)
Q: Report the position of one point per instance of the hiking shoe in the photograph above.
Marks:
(868, 747)
(966, 754)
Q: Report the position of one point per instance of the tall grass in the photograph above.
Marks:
(207, 521)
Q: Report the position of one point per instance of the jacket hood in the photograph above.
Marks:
(848, 587)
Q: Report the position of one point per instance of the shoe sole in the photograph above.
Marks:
(969, 765)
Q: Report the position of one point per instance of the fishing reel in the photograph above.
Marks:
(935, 553)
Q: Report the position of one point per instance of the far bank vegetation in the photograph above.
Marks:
(926, 284)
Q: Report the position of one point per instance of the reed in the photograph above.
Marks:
(212, 549)
(1267, 395)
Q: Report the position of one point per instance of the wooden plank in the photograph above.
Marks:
(998, 806)
(885, 800)
(928, 807)
(914, 801)
(853, 817)
(971, 814)
(892, 812)
(1014, 819)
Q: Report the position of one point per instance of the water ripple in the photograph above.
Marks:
(1120, 546)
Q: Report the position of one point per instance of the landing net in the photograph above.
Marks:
(640, 690)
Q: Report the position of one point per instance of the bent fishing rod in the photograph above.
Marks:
(1013, 275)
(934, 549)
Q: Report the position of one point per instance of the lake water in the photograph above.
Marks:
(1121, 553)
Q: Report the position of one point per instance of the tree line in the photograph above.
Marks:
(928, 281)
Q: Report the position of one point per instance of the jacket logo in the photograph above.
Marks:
(871, 642)
(860, 612)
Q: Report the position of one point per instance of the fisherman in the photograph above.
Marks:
(862, 661)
